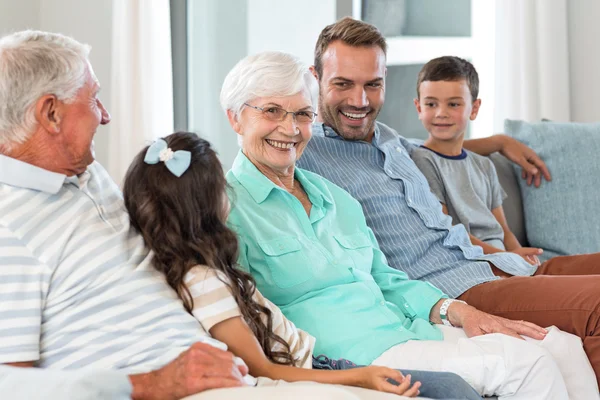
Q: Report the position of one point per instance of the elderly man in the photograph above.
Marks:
(77, 287)
(372, 162)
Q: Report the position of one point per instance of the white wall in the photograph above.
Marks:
(17, 15)
(584, 33)
(88, 21)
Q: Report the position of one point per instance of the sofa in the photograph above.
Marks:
(513, 204)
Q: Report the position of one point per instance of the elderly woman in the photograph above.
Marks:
(307, 244)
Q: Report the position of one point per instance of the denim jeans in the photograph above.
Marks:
(435, 385)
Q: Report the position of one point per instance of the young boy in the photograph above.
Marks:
(465, 183)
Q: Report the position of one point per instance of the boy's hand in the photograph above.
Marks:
(529, 254)
(533, 166)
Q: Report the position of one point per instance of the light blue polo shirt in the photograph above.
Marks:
(77, 287)
(325, 271)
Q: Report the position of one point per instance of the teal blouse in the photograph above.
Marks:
(325, 271)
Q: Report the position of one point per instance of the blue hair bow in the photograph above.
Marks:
(177, 162)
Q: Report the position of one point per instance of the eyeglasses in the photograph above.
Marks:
(279, 114)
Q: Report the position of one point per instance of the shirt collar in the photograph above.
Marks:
(23, 175)
(320, 129)
(259, 186)
(317, 191)
(461, 156)
(384, 136)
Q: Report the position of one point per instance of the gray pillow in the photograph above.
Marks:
(562, 216)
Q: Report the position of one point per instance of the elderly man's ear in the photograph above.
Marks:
(48, 113)
(233, 121)
(314, 72)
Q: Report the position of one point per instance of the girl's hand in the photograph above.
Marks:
(376, 378)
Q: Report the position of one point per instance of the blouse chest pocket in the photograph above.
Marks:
(287, 262)
(359, 248)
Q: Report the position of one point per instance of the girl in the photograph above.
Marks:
(175, 193)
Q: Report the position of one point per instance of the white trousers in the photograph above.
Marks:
(499, 365)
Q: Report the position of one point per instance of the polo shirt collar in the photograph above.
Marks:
(20, 174)
(259, 186)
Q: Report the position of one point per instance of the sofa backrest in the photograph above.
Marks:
(513, 204)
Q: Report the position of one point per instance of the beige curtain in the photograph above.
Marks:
(141, 81)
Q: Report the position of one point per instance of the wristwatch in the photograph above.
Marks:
(444, 310)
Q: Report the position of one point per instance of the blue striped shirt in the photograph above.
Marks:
(77, 287)
(407, 219)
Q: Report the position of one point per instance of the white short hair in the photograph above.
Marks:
(34, 64)
(266, 74)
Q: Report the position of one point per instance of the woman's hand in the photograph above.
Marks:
(376, 378)
(476, 322)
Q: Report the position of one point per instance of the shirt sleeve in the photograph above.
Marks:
(431, 172)
(498, 194)
(84, 384)
(415, 298)
(24, 284)
(213, 300)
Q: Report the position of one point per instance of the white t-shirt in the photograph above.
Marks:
(214, 303)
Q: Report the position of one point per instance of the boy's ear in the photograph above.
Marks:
(233, 121)
(417, 106)
(314, 72)
(475, 109)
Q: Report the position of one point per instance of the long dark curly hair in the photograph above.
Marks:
(183, 221)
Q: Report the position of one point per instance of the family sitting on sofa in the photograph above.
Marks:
(323, 264)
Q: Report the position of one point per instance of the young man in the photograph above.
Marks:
(372, 162)
(465, 183)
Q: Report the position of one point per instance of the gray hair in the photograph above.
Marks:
(266, 74)
(34, 64)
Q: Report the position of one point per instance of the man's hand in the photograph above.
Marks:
(476, 323)
(529, 254)
(533, 168)
(197, 369)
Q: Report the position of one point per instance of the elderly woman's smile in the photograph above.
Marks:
(280, 145)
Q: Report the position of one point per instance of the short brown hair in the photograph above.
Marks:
(450, 68)
(351, 32)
